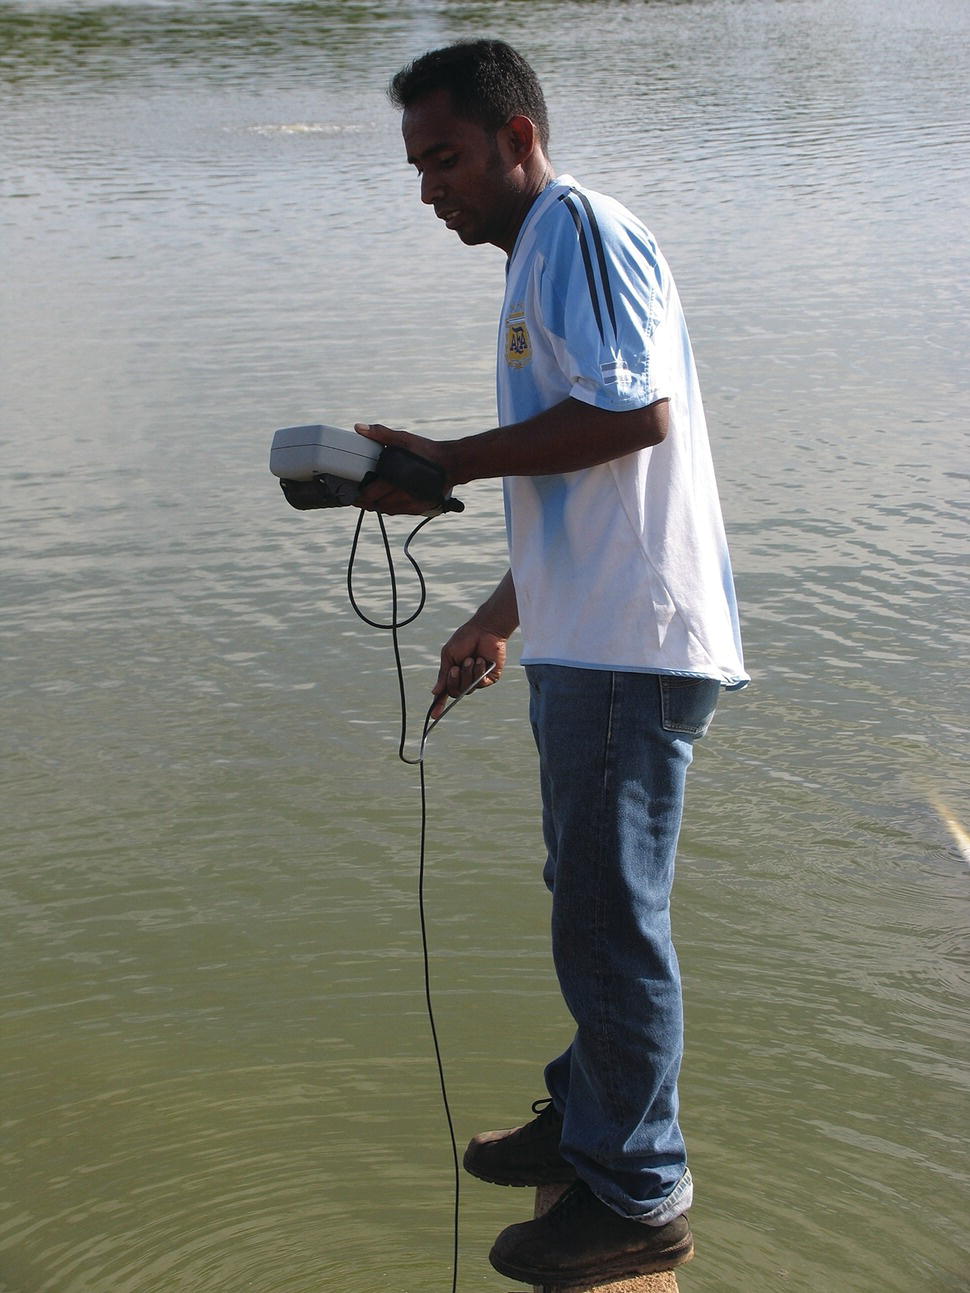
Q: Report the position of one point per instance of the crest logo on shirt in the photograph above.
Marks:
(518, 347)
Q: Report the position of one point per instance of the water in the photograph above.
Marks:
(218, 1074)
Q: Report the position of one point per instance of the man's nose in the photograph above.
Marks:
(431, 189)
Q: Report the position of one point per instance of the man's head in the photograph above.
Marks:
(487, 81)
(475, 125)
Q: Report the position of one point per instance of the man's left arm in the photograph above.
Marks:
(570, 436)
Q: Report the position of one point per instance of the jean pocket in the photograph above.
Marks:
(687, 704)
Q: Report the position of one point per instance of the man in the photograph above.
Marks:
(621, 583)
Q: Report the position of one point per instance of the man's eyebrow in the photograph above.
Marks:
(414, 160)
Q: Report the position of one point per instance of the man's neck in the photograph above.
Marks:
(538, 179)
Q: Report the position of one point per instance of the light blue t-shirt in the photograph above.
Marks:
(625, 565)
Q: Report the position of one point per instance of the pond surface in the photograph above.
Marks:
(218, 1068)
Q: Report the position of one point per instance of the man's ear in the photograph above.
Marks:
(519, 138)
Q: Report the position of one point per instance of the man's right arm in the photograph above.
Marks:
(569, 436)
(480, 642)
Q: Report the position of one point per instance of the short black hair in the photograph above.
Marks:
(488, 81)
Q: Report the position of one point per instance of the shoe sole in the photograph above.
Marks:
(653, 1265)
(533, 1181)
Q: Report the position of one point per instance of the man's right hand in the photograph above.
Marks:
(464, 658)
(481, 642)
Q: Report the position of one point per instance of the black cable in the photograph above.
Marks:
(426, 956)
(429, 724)
(395, 624)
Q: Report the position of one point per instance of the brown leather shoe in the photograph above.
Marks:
(580, 1242)
(527, 1155)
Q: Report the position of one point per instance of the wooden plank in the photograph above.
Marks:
(664, 1282)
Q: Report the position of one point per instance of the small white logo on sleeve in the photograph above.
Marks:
(616, 373)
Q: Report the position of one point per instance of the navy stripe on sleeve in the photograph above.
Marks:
(601, 258)
(587, 261)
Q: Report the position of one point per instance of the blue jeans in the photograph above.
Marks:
(614, 749)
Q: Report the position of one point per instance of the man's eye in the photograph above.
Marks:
(446, 163)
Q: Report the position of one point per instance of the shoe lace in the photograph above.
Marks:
(540, 1106)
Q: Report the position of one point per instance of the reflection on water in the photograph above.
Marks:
(218, 1069)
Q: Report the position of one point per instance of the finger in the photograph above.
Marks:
(473, 673)
(377, 431)
(456, 680)
(487, 672)
(476, 671)
(467, 674)
(439, 706)
(372, 492)
(440, 687)
(379, 496)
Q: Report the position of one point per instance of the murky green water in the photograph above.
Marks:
(218, 1073)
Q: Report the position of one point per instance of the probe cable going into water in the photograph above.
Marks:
(429, 725)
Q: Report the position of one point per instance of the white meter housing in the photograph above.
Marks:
(305, 452)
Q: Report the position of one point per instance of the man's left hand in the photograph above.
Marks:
(381, 495)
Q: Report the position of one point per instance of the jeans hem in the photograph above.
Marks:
(677, 1201)
(669, 1209)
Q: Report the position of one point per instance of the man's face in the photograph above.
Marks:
(466, 174)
